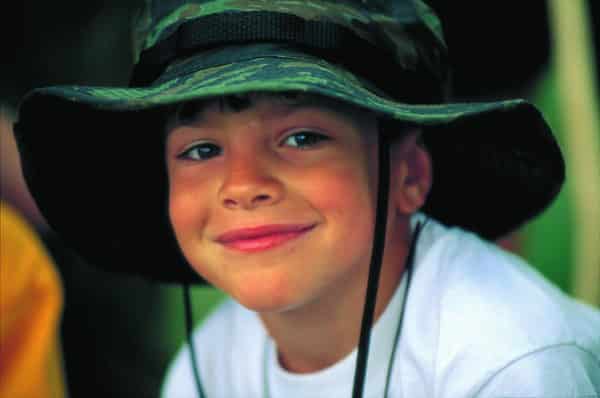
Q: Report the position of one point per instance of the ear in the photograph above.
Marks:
(411, 174)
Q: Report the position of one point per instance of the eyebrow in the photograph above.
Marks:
(283, 106)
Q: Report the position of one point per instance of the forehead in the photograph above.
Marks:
(275, 105)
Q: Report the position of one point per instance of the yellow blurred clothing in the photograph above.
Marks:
(31, 303)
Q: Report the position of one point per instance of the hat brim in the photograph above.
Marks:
(271, 73)
(496, 164)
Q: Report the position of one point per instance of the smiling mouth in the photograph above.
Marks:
(262, 238)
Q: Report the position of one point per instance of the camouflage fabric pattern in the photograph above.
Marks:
(352, 14)
(297, 72)
(379, 22)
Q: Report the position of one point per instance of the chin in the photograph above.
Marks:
(264, 304)
(267, 296)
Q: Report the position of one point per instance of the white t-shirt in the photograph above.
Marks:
(479, 322)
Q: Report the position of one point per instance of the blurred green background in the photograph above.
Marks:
(120, 332)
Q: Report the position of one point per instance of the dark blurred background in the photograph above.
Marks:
(118, 333)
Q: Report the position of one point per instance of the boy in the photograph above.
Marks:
(259, 150)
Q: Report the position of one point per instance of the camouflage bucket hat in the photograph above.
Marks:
(93, 156)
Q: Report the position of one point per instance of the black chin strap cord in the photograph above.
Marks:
(383, 187)
(408, 269)
(189, 326)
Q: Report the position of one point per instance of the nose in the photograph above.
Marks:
(249, 184)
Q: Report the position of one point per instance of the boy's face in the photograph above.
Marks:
(274, 204)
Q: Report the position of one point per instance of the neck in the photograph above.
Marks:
(321, 333)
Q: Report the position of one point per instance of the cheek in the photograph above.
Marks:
(187, 210)
(341, 198)
(188, 214)
(345, 186)
(345, 199)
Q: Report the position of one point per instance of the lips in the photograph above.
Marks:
(262, 237)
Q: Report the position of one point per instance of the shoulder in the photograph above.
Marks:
(563, 370)
(481, 308)
(490, 291)
(228, 334)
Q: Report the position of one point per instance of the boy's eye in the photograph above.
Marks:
(304, 139)
(202, 151)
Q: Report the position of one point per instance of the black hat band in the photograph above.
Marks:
(332, 42)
